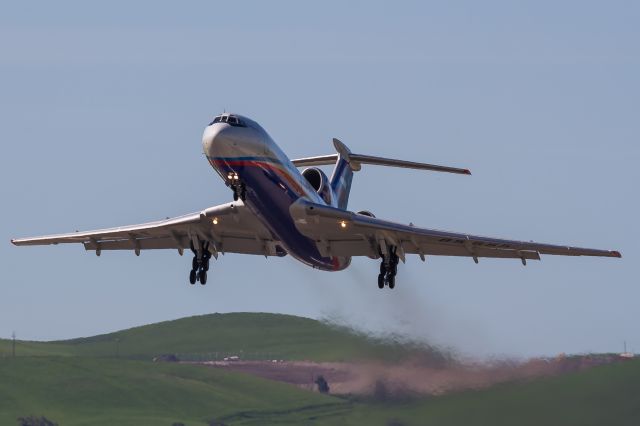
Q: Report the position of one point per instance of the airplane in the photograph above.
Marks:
(278, 210)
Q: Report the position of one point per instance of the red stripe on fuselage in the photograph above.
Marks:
(335, 262)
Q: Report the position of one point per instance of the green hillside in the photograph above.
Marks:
(81, 391)
(81, 381)
(249, 335)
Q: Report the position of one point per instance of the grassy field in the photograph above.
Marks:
(251, 335)
(79, 382)
(82, 391)
(605, 395)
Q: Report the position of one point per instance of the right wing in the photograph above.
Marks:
(343, 233)
(228, 228)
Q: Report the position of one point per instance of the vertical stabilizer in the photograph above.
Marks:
(342, 175)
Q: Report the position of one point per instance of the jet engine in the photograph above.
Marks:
(320, 183)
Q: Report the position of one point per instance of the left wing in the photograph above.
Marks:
(228, 228)
(344, 233)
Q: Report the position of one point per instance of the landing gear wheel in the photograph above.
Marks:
(194, 263)
(388, 268)
(192, 276)
(393, 270)
(391, 281)
(203, 276)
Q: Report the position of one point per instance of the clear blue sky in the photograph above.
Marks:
(103, 108)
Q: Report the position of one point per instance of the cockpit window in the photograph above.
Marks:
(229, 119)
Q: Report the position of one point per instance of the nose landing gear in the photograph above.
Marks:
(238, 187)
(199, 265)
(388, 269)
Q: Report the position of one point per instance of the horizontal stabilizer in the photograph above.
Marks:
(381, 161)
(321, 160)
(356, 160)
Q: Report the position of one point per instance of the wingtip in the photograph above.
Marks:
(13, 242)
(467, 172)
(616, 253)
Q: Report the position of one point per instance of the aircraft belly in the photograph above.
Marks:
(270, 193)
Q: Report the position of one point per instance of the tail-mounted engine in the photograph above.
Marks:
(320, 183)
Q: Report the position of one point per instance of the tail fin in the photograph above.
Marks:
(342, 174)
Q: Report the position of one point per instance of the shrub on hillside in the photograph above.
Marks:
(323, 385)
(380, 391)
(166, 358)
(35, 421)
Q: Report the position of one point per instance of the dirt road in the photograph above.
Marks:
(388, 380)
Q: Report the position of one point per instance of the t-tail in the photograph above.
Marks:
(347, 162)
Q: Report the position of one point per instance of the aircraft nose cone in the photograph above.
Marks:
(214, 138)
(224, 140)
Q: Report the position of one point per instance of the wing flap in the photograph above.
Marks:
(142, 244)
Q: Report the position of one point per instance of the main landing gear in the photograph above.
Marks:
(199, 265)
(388, 269)
(238, 187)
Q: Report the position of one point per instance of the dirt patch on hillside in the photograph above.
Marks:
(395, 380)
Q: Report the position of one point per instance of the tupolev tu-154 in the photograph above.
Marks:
(278, 210)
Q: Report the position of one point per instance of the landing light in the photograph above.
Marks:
(343, 224)
(215, 220)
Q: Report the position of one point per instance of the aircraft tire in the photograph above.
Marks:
(192, 276)
(203, 277)
(391, 281)
(381, 281)
(393, 270)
